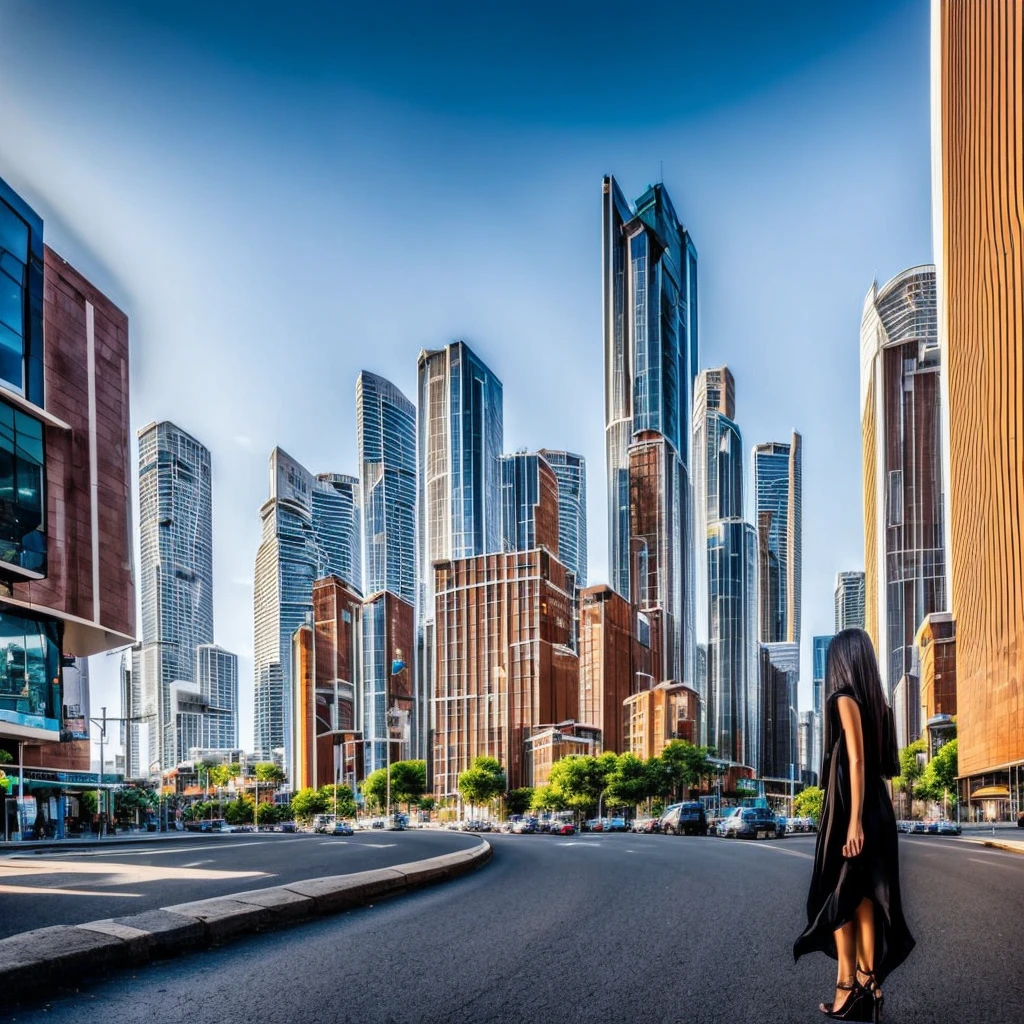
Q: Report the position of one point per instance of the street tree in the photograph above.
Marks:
(239, 811)
(938, 779)
(337, 800)
(545, 798)
(581, 779)
(482, 781)
(375, 787)
(268, 772)
(220, 774)
(629, 783)
(517, 801)
(808, 802)
(911, 769)
(306, 803)
(408, 781)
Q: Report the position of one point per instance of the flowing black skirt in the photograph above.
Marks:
(839, 884)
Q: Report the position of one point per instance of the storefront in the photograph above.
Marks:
(994, 796)
(46, 804)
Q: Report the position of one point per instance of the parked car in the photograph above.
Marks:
(687, 818)
(288, 826)
(524, 827)
(342, 828)
(323, 823)
(918, 828)
(564, 828)
(752, 823)
(645, 825)
(615, 825)
(593, 825)
(949, 828)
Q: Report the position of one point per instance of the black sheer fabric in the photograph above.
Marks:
(839, 884)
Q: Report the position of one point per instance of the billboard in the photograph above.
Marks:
(75, 678)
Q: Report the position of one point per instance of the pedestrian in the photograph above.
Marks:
(854, 909)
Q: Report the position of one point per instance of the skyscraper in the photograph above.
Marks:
(650, 353)
(337, 527)
(726, 583)
(978, 195)
(131, 707)
(571, 472)
(529, 503)
(849, 599)
(778, 497)
(460, 437)
(175, 574)
(779, 675)
(904, 556)
(217, 679)
(386, 437)
(819, 665)
(308, 525)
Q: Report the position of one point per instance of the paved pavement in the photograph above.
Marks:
(602, 928)
(88, 883)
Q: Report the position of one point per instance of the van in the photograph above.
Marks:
(686, 818)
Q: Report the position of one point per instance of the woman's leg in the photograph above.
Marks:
(865, 939)
(846, 948)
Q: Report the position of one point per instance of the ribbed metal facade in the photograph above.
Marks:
(176, 574)
(849, 592)
(337, 527)
(571, 472)
(218, 685)
(978, 192)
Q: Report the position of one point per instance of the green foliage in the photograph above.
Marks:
(272, 814)
(408, 781)
(518, 801)
(631, 782)
(220, 775)
(807, 803)
(938, 780)
(267, 771)
(344, 806)
(910, 768)
(546, 798)
(482, 781)
(306, 803)
(427, 803)
(6, 784)
(6, 757)
(683, 766)
(88, 801)
(375, 787)
(134, 801)
(239, 812)
(581, 779)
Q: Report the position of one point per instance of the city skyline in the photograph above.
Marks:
(883, 220)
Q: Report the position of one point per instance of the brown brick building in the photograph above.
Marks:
(618, 658)
(503, 666)
(546, 745)
(66, 575)
(653, 718)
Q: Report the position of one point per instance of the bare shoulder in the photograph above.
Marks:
(849, 711)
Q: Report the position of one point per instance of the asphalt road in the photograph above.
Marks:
(88, 884)
(610, 928)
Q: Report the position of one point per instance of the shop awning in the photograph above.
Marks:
(991, 793)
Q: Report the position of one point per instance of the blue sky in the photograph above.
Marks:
(282, 195)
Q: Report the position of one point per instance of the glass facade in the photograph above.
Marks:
(310, 525)
(650, 349)
(21, 296)
(460, 439)
(22, 492)
(30, 662)
(571, 473)
(337, 527)
(849, 601)
(176, 574)
(905, 566)
(218, 686)
(819, 657)
(386, 437)
(778, 501)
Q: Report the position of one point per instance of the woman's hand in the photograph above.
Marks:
(854, 839)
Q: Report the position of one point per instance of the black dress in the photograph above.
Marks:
(839, 884)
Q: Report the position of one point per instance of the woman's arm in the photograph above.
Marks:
(849, 715)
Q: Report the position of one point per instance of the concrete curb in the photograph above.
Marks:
(1011, 846)
(64, 954)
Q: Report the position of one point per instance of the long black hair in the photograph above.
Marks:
(851, 668)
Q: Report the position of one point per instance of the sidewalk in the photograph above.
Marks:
(63, 955)
(93, 842)
(997, 843)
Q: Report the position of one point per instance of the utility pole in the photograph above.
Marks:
(99, 777)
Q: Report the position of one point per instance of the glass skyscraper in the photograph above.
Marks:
(176, 574)
(217, 679)
(386, 437)
(303, 537)
(820, 662)
(778, 497)
(571, 473)
(460, 438)
(849, 598)
(650, 352)
(337, 528)
(901, 425)
(529, 496)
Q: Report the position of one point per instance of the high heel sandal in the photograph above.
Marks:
(874, 990)
(855, 1007)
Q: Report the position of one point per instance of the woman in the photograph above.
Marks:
(854, 911)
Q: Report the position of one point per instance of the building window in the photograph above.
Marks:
(29, 671)
(21, 297)
(22, 499)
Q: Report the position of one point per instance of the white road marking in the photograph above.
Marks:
(989, 860)
(136, 853)
(121, 873)
(36, 890)
(765, 844)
